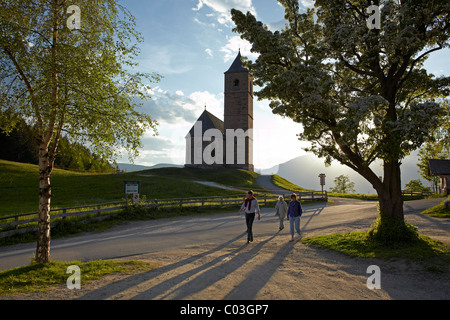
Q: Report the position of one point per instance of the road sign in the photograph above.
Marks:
(322, 179)
(131, 187)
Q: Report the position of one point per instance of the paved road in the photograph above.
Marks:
(343, 215)
(265, 181)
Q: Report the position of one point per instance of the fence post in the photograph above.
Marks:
(17, 224)
(312, 195)
(181, 203)
(64, 214)
(98, 210)
(221, 201)
(265, 198)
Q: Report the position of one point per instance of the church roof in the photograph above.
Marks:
(236, 66)
(209, 121)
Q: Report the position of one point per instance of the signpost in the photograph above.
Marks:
(134, 188)
(322, 180)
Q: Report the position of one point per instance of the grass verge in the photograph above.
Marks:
(43, 277)
(433, 254)
(285, 184)
(438, 211)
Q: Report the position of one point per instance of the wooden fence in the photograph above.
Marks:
(24, 222)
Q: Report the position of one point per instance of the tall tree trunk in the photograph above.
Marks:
(391, 226)
(43, 239)
(390, 196)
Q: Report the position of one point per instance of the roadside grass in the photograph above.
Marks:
(360, 196)
(285, 184)
(432, 254)
(43, 277)
(374, 197)
(439, 211)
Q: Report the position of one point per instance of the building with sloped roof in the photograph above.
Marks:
(213, 143)
(441, 169)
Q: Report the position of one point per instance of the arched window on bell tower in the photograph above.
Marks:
(236, 84)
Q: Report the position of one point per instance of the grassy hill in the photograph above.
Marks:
(19, 187)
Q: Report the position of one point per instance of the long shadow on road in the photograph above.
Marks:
(206, 275)
(118, 286)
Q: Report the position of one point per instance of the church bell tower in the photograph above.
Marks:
(238, 113)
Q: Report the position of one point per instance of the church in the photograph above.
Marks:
(213, 143)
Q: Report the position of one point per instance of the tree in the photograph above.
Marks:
(342, 184)
(361, 94)
(80, 82)
(416, 185)
(431, 150)
(438, 148)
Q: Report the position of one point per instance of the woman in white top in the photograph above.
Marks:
(250, 207)
(280, 210)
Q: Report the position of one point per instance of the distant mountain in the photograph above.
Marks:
(304, 171)
(127, 167)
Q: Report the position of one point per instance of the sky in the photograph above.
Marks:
(191, 44)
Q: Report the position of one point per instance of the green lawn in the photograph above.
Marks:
(433, 254)
(41, 277)
(285, 184)
(19, 188)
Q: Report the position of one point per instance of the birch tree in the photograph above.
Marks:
(69, 68)
(360, 93)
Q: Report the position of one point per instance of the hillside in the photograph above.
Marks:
(19, 188)
(304, 171)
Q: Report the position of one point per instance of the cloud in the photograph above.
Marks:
(177, 108)
(222, 8)
(307, 3)
(209, 52)
(235, 44)
(169, 59)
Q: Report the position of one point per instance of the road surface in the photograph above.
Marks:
(142, 237)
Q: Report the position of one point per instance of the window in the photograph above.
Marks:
(236, 84)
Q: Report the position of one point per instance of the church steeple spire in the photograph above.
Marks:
(236, 66)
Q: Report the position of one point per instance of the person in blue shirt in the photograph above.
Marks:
(293, 215)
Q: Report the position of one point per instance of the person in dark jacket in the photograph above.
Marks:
(293, 215)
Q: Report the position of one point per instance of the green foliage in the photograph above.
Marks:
(81, 82)
(20, 145)
(359, 94)
(437, 148)
(342, 184)
(416, 185)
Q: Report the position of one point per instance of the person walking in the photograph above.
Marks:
(250, 207)
(280, 210)
(293, 215)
